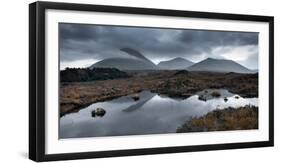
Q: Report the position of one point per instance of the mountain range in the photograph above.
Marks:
(137, 61)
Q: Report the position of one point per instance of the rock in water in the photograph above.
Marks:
(98, 112)
(216, 94)
(202, 98)
(93, 113)
(225, 99)
(136, 97)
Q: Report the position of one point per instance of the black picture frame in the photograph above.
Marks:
(37, 80)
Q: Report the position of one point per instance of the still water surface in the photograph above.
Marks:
(151, 114)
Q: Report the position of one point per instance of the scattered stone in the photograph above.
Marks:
(93, 113)
(225, 99)
(98, 112)
(136, 97)
(202, 98)
(216, 94)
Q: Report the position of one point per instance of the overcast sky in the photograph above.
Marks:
(82, 45)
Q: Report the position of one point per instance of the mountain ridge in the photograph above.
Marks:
(219, 65)
(139, 62)
(176, 63)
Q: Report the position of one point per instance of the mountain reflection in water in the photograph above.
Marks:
(151, 114)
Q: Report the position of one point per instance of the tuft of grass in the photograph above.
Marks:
(241, 118)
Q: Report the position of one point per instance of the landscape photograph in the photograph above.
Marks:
(125, 80)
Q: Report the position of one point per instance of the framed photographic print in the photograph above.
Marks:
(118, 81)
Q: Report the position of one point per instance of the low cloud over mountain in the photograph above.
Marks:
(83, 43)
(135, 61)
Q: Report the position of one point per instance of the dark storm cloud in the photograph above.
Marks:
(79, 41)
(78, 32)
(219, 38)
